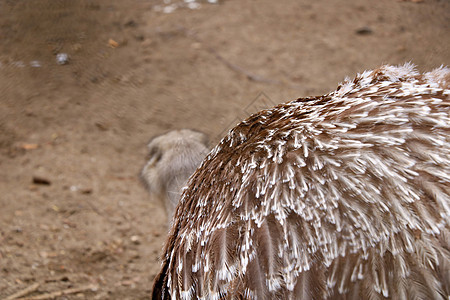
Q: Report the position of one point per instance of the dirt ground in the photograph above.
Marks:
(75, 220)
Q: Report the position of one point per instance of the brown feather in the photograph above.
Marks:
(342, 196)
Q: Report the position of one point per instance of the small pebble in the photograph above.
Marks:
(35, 64)
(135, 239)
(41, 180)
(169, 9)
(364, 30)
(62, 58)
(194, 5)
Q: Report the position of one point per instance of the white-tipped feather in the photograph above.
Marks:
(343, 196)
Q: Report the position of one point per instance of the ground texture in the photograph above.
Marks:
(75, 221)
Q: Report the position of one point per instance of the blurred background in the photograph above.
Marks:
(85, 84)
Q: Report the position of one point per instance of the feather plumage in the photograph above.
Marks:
(342, 196)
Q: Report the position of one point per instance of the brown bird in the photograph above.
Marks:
(342, 196)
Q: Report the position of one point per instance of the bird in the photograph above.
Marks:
(172, 158)
(339, 196)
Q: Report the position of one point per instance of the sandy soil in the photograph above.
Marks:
(73, 213)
